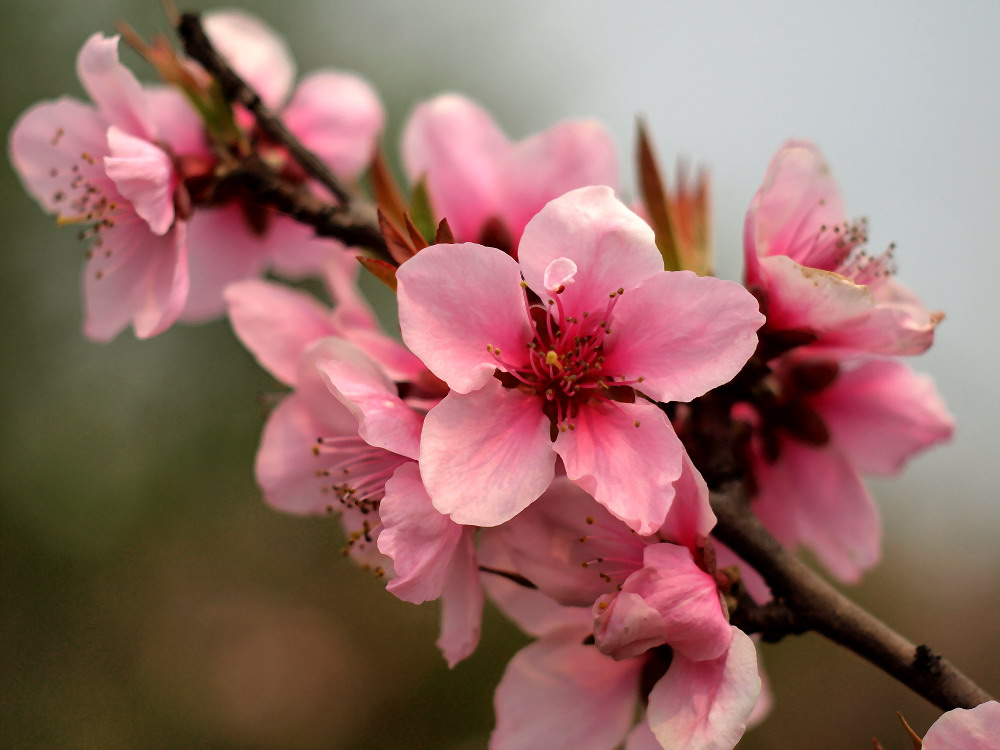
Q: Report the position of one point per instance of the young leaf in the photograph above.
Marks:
(384, 272)
(654, 198)
(421, 211)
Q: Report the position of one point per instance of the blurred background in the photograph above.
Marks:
(150, 600)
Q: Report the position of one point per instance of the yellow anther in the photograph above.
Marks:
(552, 359)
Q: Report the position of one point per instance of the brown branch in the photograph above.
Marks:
(819, 606)
(353, 220)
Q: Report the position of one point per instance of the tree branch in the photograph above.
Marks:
(820, 607)
(353, 220)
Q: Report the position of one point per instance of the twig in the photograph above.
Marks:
(822, 608)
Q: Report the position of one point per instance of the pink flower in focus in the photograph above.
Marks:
(825, 421)
(530, 382)
(106, 167)
(489, 188)
(807, 263)
(336, 115)
(966, 729)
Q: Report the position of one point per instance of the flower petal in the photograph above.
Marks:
(966, 729)
(549, 542)
(629, 469)
(338, 117)
(797, 198)
(690, 519)
(46, 147)
(683, 334)
(277, 324)
(178, 123)
(530, 609)
(670, 600)
(115, 91)
(420, 540)
(223, 250)
(384, 420)
(455, 144)
(135, 275)
(143, 174)
(567, 156)
(461, 604)
(286, 465)
(560, 693)
(454, 301)
(704, 705)
(487, 455)
(258, 54)
(814, 497)
(880, 413)
(611, 247)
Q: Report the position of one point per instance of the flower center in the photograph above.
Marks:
(840, 249)
(565, 360)
(354, 472)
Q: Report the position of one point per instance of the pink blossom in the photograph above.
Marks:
(530, 382)
(106, 167)
(337, 115)
(827, 420)
(489, 188)
(966, 729)
(807, 263)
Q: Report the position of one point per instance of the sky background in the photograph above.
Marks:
(149, 599)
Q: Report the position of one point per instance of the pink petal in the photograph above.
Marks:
(530, 609)
(286, 465)
(629, 470)
(611, 247)
(567, 156)
(966, 729)
(704, 705)
(294, 249)
(549, 542)
(143, 174)
(420, 540)
(113, 88)
(46, 144)
(338, 116)
(469, 447)
(384, 420)
(135, 275)
(880, 413)
(356, 321)
(223, 250)
(255, 51)
(690, 519)
(461, 604)
(558, 693)
(277, 324)
(458, 148)
(642, 738)
(454, 301)
(670, 600)
(754, 581)
(797, 198)
(177, 122)
(683, 334)
(814, 497)
(311, 384)
(890, 328)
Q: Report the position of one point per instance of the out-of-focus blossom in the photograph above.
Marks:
(966, 729)
(337, 115)
(820, 422)
(807, 263)
(489, 188)
(106, 167)
(567, 378)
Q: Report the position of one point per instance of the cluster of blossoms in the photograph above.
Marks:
(548, 432)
